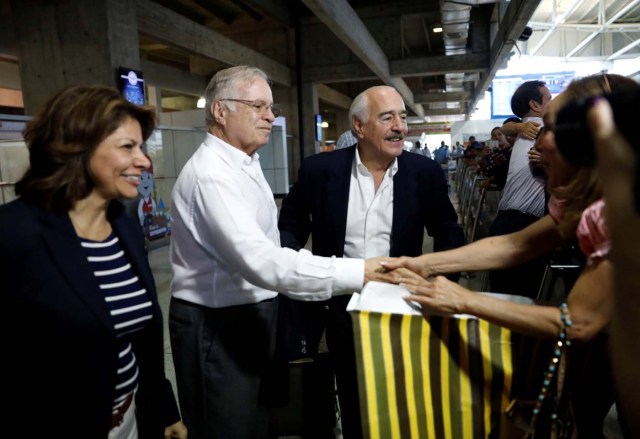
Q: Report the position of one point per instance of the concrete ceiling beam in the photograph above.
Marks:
(165, 25)
(344, 22)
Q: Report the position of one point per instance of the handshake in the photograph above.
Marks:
(423, 284)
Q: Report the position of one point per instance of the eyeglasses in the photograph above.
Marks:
(260, 107)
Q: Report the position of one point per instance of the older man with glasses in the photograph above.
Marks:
(229, 266)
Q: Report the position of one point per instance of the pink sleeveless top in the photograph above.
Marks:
(592, 232)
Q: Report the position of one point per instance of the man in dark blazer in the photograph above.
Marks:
(369, 199)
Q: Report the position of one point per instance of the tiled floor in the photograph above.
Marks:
(159, 262)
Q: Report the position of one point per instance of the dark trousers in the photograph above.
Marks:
(343, 355)
(523, 279)
(223, 358)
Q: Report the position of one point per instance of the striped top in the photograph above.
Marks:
(128, 301)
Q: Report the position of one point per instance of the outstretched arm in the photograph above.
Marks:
(486, 254)
(590, 304)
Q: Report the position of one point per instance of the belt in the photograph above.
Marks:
(116, 418)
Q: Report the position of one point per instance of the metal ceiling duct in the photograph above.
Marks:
(455, 32)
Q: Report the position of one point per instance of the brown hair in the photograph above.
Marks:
(63, 135)
(585, 188)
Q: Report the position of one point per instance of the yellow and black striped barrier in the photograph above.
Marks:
(434, 377)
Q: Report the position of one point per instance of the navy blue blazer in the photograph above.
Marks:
(60, 346)
(317, 205)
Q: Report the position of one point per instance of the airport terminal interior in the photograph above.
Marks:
(455, 64)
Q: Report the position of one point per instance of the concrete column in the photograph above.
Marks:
(73, 42)
(342, 121)
(154, 98)
(309, 109)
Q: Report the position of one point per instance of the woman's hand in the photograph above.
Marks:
(419, 265)
(176, 431)
(616, 164)
(404, 276)
(534, 157)
(436, 295)
(374, 270)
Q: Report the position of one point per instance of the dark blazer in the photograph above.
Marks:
(317, 205)
(60, 346)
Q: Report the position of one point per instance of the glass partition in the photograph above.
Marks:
(14, 157)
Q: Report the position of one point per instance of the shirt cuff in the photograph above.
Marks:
(349, 275)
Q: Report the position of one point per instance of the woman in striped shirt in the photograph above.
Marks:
(81, 321)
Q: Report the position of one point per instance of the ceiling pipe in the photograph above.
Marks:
(455, 19)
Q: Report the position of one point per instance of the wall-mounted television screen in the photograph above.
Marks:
(503, 87)
(319, 128)
(131, 85)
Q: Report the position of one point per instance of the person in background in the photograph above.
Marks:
(616, 163)
(346, 139)
(229, 267)
(369, 200)
(87, 357)
(523, 196)
(472, 151)
(426, 151)
(421, 149)
(495, 162)
(576, 211)
(514, 127)
(474, 144)
(442, 157)
(497, 136)
(453, 163)
(454, 152)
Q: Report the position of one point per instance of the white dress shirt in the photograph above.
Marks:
(225, 245)
(370, 212)
(523, 191)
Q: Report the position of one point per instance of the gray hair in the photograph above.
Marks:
(225, 82)
(360, 106)
(359, 109)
